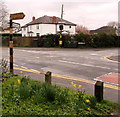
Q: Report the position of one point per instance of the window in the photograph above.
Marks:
(37, 34)
(69, 26)
(24, 29)
(37, 26)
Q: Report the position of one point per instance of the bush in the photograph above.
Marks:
(50, 40)
(104, 40)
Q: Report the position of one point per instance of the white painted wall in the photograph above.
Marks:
(24, 32)
(45, 29)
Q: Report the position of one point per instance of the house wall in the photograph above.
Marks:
(48, 29)
(24, 32)
(45, 29)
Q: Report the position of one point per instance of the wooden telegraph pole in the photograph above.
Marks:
(15, 16)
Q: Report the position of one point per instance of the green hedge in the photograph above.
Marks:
(98, 40)
(69, 41)
(50, 40)
(93, 40)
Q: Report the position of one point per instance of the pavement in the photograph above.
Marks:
(111, 78)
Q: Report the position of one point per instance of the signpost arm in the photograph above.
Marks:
(11, 47)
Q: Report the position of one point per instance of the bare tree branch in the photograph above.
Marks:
(112, 24)
(82, 29)
(3, 14)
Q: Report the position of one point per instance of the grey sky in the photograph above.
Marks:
(90, 13)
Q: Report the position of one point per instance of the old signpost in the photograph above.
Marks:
(15, 16)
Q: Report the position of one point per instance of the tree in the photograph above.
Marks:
(3, 14)
(82, 29)
(112, 24)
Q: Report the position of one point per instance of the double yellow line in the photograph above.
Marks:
(68, 77)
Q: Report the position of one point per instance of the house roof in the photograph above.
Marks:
(49, 20)
(104, 29)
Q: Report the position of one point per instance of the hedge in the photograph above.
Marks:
(69, 41)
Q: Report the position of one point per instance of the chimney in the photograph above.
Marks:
(33, 18)
(54, 19)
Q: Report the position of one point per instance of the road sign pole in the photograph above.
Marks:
(11, 47)
(15, 16)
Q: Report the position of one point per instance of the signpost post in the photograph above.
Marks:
(15, 16)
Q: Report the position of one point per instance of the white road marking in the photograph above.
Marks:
(94, 54)
(15, 65)
(24, 67)
(85, 64)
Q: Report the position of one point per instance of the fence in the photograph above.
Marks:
(23, 41)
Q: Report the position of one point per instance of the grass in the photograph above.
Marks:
(22, 96)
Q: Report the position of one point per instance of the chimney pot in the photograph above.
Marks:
(33, 18)
(54, 19)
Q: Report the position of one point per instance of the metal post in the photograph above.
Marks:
(11, 47)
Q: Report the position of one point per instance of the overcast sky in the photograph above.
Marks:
(90, 13)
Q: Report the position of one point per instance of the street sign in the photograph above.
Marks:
(14, 25)
(17, 16)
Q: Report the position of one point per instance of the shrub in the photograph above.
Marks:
(4, 64)
(50, 40)
(48, 92)
(104, 40)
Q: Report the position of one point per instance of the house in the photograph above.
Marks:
(104, 29)
(47, 25)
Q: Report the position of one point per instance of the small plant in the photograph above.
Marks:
(61, 95)
(4, 66)
(25, 88)
(49, 92)
(82, 101)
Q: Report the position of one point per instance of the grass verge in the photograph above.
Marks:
(22, 96)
